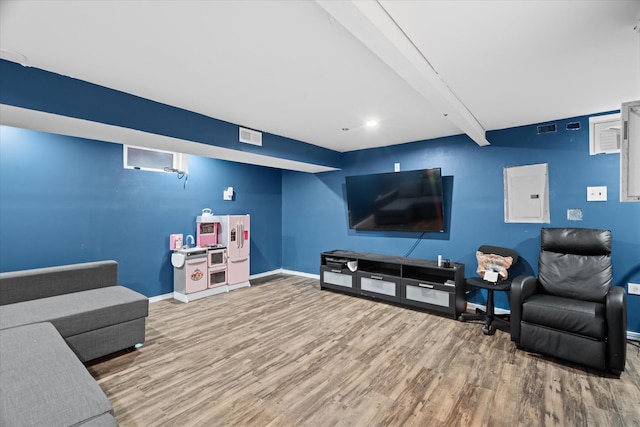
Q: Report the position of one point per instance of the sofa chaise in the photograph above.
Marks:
(51, 320)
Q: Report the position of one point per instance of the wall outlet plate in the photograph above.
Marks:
(597, 194)
(633, 288)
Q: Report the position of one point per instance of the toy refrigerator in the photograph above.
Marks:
(235, 234)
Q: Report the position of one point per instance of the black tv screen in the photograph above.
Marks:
(396, 201)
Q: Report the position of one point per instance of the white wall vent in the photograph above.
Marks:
(604, 134)
(249, 136)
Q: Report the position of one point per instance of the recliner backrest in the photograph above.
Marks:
(575, 263)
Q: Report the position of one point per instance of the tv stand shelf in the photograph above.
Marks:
(411, 282)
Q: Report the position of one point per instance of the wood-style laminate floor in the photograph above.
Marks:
(284, 353)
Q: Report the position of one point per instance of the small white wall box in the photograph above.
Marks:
(604, 134)
(228, 194)
(597, 194)
(149, 159)
(526, 194)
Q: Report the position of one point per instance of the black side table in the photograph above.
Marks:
(492, 320)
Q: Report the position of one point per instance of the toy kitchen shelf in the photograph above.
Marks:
(411, 282)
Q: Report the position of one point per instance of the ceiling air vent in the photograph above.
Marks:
(249, 136)
(547, 128)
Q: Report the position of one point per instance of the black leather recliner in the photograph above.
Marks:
(571, 310)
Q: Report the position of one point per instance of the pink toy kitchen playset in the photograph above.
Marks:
(206, 229)
(220, 262)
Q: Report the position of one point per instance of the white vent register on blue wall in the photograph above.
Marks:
(249, 136)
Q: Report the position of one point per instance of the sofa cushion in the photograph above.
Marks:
(79, 312)
(26, 285)
(565, 314)
(44, 383)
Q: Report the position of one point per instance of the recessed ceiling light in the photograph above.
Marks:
(371, 123)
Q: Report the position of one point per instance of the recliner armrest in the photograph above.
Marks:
(616, 312)
(522, 287)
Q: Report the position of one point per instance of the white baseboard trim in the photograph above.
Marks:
(238, 286)
(473, 306)
(300, 273)
(284, 271)
(265, 274)
(160, 298)
(635, 336)
(202, 294)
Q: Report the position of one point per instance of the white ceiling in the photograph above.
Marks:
(306, 70)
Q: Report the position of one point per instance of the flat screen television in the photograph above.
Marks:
(396, 201)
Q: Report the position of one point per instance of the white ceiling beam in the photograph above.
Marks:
(62, 125)
(370, 23)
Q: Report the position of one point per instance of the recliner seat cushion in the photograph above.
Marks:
(79, 312)
(575, 316)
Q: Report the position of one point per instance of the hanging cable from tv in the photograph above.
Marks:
(181, 174)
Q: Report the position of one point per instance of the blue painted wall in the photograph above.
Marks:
(66, 200)
(69, 200)
(41, 90)
(315, 214)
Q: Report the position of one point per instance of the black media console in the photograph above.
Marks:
(406, 281)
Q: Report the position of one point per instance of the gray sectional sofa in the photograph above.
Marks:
(51, 320)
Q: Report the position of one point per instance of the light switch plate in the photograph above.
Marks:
(633, 288)
(597, 194)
